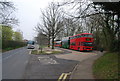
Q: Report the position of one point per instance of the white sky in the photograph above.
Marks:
(28, 14)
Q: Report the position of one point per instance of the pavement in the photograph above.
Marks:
(83, 69)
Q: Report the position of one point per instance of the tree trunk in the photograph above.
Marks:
(118, 46)
(41, 49)
(52, 42)
(49, 41)
(119, 25)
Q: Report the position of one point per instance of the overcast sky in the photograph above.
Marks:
(28, 14)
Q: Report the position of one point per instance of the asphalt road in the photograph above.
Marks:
(19, 64)
(14, 63)
(48, 67)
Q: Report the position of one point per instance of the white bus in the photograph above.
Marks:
(31, 44)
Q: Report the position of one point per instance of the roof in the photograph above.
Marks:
(80, 34)
(86, 33)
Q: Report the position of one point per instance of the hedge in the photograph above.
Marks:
(12, 44)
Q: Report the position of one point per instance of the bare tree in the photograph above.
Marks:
(71, 27)
(6, 10)
(45, 29)
(41, 40)
(97, 17)
(51, 22)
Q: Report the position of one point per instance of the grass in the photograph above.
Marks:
(36, 52)
(0, 50)
(44, 46)
(106, 67)
(9, 48)
(56, 52)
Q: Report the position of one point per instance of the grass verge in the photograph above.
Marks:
(106, 67)
(10, 48)
(36, 52)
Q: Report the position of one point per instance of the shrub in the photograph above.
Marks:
(12, 44)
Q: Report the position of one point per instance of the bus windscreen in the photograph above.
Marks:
(31, 42)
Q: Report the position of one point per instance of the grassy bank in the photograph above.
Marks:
(106, 67)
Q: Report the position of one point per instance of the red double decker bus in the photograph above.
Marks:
(57, 43)
(82, 42)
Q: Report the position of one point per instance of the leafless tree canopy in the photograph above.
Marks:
(51, 22)
(6, 13)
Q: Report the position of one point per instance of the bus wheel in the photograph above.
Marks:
(78, 49)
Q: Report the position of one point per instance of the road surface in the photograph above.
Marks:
(19, 64)
(14, 63)
(48, 67)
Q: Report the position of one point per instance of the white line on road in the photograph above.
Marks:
(30, 52)
(47, 60)
(26, 62)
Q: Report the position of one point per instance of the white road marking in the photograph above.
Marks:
(47, 60)
(26, 62)
(30, 52)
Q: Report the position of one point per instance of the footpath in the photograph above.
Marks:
(83, 70)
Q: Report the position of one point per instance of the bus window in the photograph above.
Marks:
(31, 42)
(73, 43)
(88, 44)
(71, 37)
(79, 44)
(82, 44)
(86, 35)
(75, 37)
(79, 36)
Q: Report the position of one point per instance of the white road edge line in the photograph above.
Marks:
(71, 76)
(30, 52)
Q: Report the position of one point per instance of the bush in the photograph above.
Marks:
(12, 44)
